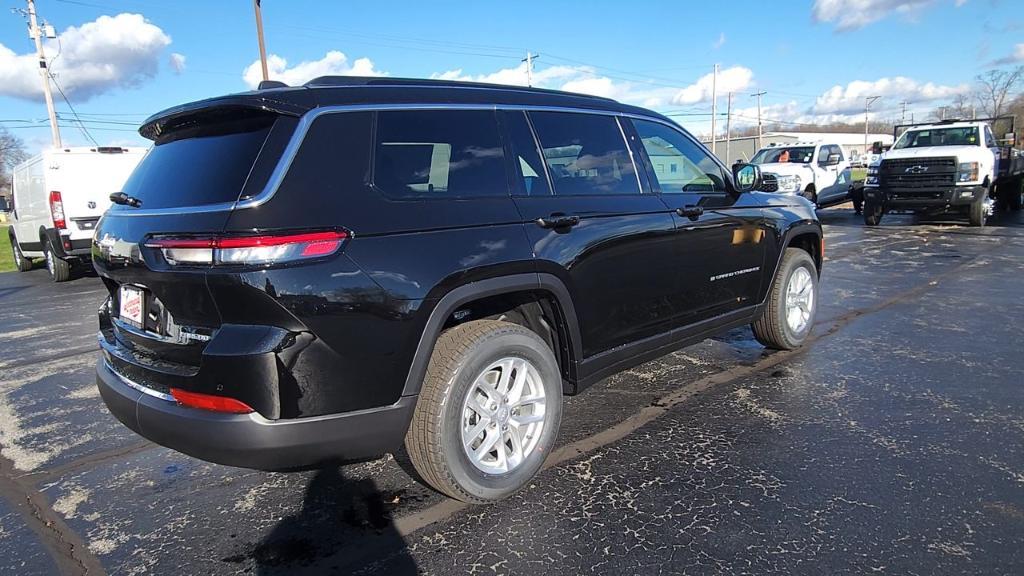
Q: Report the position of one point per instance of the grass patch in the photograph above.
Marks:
(6, 255)
(858, 174)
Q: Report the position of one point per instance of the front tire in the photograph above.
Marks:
(872, 213)
(20, 262)
(488, 413)
(60, 269)
(792, 303)
(978, 213)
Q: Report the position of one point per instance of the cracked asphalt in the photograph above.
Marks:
(892, 443)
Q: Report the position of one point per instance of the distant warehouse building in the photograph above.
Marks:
(744, 148)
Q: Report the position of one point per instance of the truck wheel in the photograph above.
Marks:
(488, 413)
(60, 269)
(872, 213)
(20, 262)
(978, 212)
(792, 303)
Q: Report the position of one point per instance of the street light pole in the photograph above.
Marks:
(259, 36)
(758, 96)
(868, 101)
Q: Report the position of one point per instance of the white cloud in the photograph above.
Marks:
(850, 99)
(177, 62)
(334, 63)
(853, 14)
(586, 80)
(732, 79)
(1016, 56)
(110, 52)
(720, 42)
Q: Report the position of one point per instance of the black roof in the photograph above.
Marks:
(353, 90)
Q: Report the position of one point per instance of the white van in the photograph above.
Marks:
(58, 196)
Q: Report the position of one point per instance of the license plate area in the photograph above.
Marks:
(132, 305)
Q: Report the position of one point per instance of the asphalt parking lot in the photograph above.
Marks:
(893, 443)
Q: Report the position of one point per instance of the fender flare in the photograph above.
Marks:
(798, 228)
(455, 298)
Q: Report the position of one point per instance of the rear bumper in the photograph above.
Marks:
(938, 198)
(66, 246)
(249, 440)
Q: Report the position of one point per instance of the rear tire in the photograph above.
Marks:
(20, 262)
(60, 269)
(978, 213)
(872, 213)
(460, 439)
(792, 303)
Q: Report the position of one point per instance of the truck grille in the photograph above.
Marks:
(913, 174)
(769, 183)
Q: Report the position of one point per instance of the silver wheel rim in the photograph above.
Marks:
(799, 300)
(503, 415)
(49, 261)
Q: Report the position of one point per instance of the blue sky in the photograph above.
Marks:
(816, 59)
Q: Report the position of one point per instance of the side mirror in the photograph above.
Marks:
(747, 177)
(1010, 139)
(832, 160)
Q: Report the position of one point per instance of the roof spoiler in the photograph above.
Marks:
(250, 102)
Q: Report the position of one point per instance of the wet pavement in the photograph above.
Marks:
(892, 443)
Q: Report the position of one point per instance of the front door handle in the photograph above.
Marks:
(558, 221)
(691, 212)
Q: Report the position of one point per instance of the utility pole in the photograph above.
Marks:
(36, 33)
(728, 129)
(529, 66)
(868, 101)
(758, 95)
(714, 107)
(903, 116)
(259, 36)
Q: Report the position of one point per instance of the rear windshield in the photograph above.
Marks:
(205, 164)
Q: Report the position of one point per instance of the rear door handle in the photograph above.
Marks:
(558, 221)
(692, 212)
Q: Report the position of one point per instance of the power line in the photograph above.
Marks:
(81, 126)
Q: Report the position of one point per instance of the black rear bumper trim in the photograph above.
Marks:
(251, 441)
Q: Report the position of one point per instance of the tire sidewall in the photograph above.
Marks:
(478, 358)
(800, 260)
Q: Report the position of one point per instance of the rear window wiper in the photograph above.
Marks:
(125, 200)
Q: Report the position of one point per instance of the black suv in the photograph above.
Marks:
(306, 274)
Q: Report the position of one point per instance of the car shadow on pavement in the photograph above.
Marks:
(343, 526)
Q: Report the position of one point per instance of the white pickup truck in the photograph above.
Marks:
(818, 171)
(953, 166)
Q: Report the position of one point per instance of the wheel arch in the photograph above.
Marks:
(546, 286)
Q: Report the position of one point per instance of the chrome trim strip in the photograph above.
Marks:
(299, 135)
(136, 386)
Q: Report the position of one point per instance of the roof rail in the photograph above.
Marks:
(338, 81)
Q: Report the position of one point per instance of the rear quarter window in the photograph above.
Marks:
(438, 154)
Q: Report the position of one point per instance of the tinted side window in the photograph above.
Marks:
(439, 154)
(526, 160)
(585, 154)
(679, 164)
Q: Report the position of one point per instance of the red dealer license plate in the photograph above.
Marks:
(132, 304)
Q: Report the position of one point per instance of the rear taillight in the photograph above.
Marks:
(210, 402)
(57, 210)
(247, 250)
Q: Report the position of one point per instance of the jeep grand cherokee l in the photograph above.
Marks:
(306, 274)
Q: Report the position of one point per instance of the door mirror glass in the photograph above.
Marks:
(747, 177)
(832, 160)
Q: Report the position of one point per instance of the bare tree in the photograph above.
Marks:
(995, 87)
(963, 106)
(12, 153)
